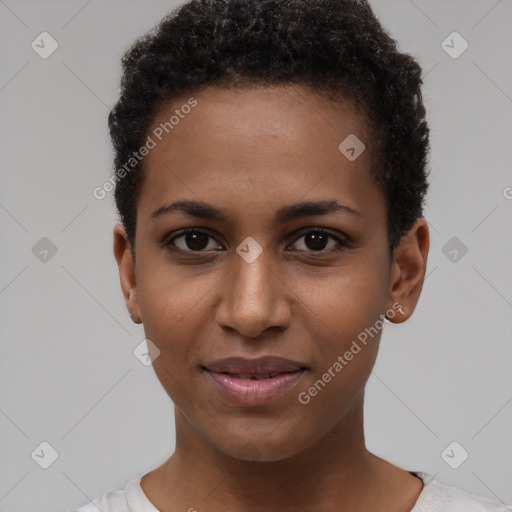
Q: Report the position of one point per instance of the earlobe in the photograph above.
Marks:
(408, 271)
(127, 276)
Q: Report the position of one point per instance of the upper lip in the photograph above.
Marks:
(260, 366)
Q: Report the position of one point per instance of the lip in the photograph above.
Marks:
(259, 366)
(247, 382)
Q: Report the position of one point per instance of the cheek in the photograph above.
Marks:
(173, 310)
(170, 297)
(347, 310)
(346, 303)
(346, 353)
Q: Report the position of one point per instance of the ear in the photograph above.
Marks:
(127, 276)
(408, 268)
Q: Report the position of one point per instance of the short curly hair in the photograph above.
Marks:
(334, 47)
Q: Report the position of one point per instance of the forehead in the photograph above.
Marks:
(265, 145)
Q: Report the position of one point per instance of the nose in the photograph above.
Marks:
(254, 298)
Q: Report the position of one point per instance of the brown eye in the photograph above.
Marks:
(193, 240)
(197, 240)
(316, 240)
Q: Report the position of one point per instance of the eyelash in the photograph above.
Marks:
(342, 244)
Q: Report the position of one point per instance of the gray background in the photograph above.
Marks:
(68, 375)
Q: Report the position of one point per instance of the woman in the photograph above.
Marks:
(270, 176)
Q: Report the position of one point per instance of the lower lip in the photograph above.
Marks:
(250, 392)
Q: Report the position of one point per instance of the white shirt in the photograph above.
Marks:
(435, 497)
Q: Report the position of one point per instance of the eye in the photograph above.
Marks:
(191, 240)
(315, 240)
(197, 240)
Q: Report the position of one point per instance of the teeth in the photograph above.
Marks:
(257, 377)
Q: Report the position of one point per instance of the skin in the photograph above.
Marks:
(251, 152)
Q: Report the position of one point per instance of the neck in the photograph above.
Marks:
(335, 469)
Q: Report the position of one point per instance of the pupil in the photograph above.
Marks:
(196, 241)
(316, 238)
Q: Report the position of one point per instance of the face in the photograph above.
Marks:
(253, 259)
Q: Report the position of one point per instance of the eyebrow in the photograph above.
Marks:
(202, 210)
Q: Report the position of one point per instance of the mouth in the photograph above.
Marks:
(256, 382)
(263, 367)
(252, 376)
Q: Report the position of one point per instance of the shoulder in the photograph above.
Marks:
(113, 501)
(131, 498)
(439, 497)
